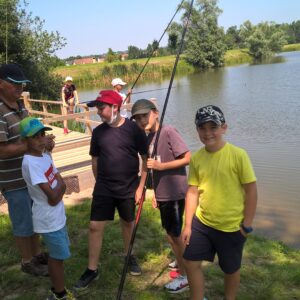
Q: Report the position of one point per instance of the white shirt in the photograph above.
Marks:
(35, 170)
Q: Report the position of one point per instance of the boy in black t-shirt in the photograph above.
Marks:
(115, 145)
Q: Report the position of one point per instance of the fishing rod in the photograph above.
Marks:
(121, 285)
(142, 92)
(153, 51)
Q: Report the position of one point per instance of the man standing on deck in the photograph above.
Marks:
(12, 184)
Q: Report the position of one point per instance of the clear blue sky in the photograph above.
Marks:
(93, 26)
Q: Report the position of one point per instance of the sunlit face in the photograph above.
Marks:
(36, 144)
(211, 135)
(147, 121)
(12, 89)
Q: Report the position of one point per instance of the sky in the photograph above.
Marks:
(93, 26)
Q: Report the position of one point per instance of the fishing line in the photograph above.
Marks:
(153, 51)
(121, 285)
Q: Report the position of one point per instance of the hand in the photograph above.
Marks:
(129, 91)
(186, 235)
(243, 232)
(154, 202)
(50, 143)
(154, 164)
(138, 195)
(65, 104)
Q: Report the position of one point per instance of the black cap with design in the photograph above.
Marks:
(209, 113)
(12, 73)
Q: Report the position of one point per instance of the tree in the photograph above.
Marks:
(134, 52)
(111, 56)
(205, 45)
(24, 41)
(175, 32)
(233, 38)
(264, 39)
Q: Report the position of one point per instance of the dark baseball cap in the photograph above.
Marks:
(142, 106)
(209, 113)
(107, 97)
(12, 73)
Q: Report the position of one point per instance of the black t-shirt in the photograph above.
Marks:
(117, 150)
(69, 91)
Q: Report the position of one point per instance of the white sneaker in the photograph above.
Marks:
(178, 285)
(173, 265)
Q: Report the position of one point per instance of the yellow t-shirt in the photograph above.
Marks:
(219, 177)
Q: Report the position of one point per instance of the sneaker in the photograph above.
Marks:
(66, 131)
(86, 278)
(42, 258)
(178, 285)
(35, 268)
(68, 296)
(174, 274)
(133, 267)
(173, 266)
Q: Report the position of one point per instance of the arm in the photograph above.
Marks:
(128, 96)
(250, 204)
(76, 97)
(54, 195)
(95, 166)
(13, 149)
(191, 203)
(181, 161)
(139, 191)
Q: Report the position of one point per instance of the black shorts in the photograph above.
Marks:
(206, 242)
(171, 214)
(103, 208)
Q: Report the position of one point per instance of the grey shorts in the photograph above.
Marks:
(20, 212)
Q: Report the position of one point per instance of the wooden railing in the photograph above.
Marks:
(50, 117)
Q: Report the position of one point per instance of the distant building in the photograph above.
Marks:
(87, 60)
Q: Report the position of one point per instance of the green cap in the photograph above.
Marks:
(142, 106)
(31, 126)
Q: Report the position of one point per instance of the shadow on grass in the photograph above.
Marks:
(270, 269)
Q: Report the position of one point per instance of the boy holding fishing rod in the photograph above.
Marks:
(114, 149)
(220, 204)
(169, 180)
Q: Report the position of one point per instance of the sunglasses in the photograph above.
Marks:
(23, 84)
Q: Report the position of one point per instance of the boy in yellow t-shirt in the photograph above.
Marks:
(220, 204)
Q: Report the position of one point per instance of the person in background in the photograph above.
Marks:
(12, 184)
(118, 85)
(169, 181)
(220, 204)
(69, 98)
(115, 146)
(46, 188)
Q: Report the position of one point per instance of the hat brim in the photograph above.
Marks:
(141, 111)
(24, 80)
(206, 120)
(37, 130)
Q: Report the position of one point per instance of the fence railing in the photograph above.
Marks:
(49, 117)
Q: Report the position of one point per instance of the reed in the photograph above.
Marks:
(291, 47)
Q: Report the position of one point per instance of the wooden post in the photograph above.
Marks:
(86, 117)
(27, 103)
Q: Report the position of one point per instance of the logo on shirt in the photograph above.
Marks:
(50, 175)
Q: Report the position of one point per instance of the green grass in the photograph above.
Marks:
(270, 269)
(292, 47)
(236, 57)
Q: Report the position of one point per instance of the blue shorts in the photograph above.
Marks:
(20, 212)
(57, 243)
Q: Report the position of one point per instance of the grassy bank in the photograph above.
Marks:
(102, 74)
(271, 271)
(292, 47)
(236, 57)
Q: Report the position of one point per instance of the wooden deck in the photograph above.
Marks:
(71, 157)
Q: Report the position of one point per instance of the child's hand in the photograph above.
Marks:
(186, 235)
(154, 164)
(50, 142)
(154, 202)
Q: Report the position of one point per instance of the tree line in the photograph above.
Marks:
(23, 40)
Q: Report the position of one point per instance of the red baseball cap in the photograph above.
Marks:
(108, 97)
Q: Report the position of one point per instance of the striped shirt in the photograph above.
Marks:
(11, 168)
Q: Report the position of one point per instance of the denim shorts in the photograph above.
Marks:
(57, 243)
(20, 212)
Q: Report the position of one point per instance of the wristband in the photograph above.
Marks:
(247, 229)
